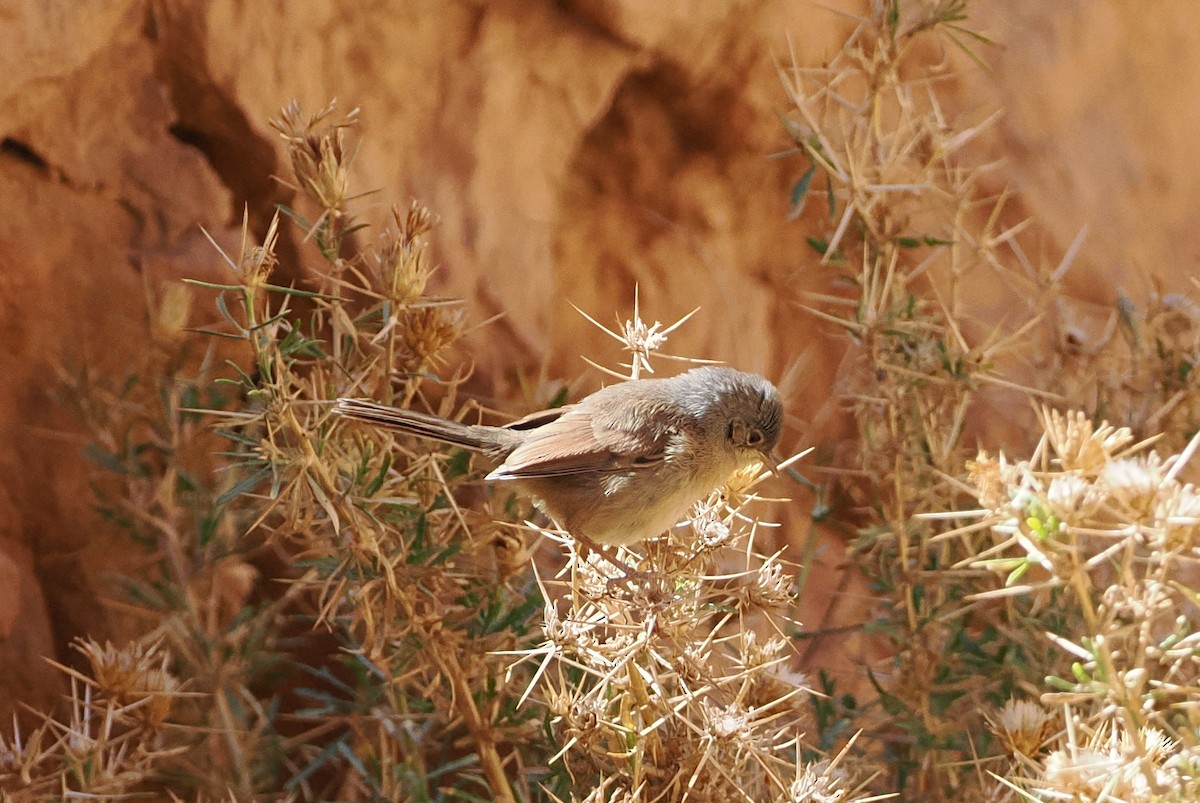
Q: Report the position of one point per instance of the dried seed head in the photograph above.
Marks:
(1134, 481)
(738, 485)
(404, 268)
(161, 687)
(585, 715)
(1023, 727)
(1071, 498)
(708, 522)
(727, 723)
(1113, 767)
(258, 262)
(418, 221)
(131, 675)
(1082, 772)
(1082, 446)
(426, 331)
(985, 473)
(569, 635)
(1156, 746)
(1177, 517)
(816, 783)
(772, 587)
(754, 654)
(317, 149)
(692, 663)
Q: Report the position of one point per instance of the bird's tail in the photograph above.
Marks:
(481, 438)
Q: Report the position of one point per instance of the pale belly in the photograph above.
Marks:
(626, 508)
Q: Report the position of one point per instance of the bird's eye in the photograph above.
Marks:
(755, 438)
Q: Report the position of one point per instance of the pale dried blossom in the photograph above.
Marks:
(709, 524)
(737, 489)
(692, 663)
(776, 684)
(135, 676)
(1138, 602)
(1156, 746)
(584, 715)
(816, 783)
(569, 635)
(714, 533)
(731, 723)
(1111, 768)
(756, 654)
(317, 148)
(771, 586)
(1082, 446)
(1023, 726)
(783, 673)
(986, 473)
(1177, 516)
(1134, 481)
(638, 338)
(1071, 498)
(428, 331)
(1006, 489)
(1080, 771)
(619, 642)
(403, 259)
(257, 261)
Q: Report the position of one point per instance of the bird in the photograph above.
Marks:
(625, 463)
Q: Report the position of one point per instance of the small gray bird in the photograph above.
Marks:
(626, 462)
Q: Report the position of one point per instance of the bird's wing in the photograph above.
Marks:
(540, 418)
(577, 442)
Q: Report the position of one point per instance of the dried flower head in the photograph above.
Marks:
(1071, 498)
(986, 475)
(257, 262)
(737, 489)
(1083, 771)
(1023, 727)
(1079, 444)
(1112, 766)
(1000, 485)
(816, 783)
(1153, 745)
(403, 259)
(727, 723)
(317, 149)
(427, 330)
(638, 338)
(709, 522)
(131, 673)
(1134, 482)
(771, 586)
(755, 653)
(1177, 517)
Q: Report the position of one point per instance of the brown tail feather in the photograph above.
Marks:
(425, 426)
